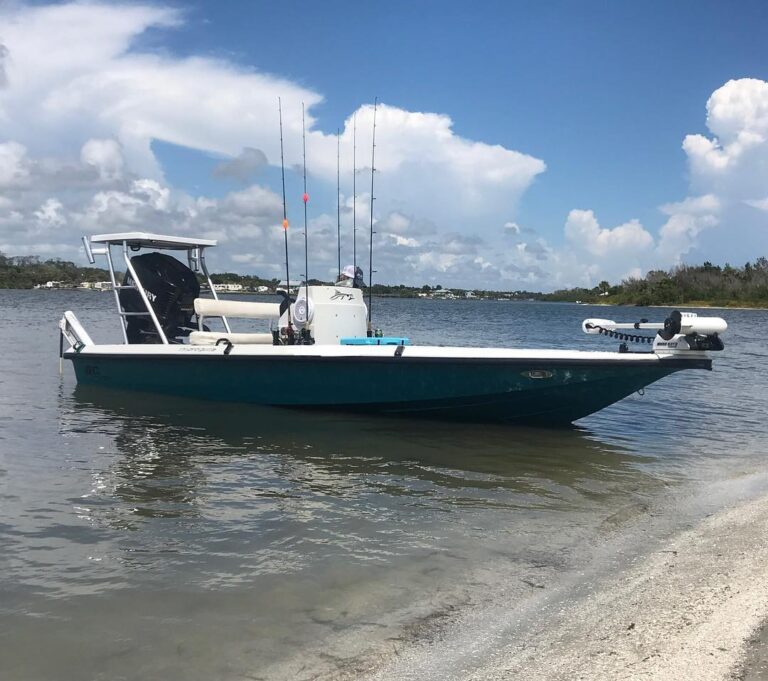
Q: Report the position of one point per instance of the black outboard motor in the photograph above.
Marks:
(171, 288)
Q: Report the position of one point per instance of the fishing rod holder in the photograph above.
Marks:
(680, 332)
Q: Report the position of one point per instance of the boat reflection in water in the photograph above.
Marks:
(172, 447)
(289, 540)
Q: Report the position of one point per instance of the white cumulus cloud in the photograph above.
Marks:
(82, 104)
(723, 218)
(14, 169)
(105, 156)
(584, 232)
(99, 84)
(50, 214)
(733, 163)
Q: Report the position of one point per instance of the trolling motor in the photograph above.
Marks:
(680, 332)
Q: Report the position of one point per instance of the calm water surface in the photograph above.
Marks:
(153, 537)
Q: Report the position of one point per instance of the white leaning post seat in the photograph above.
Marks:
(209, 307)
(212, 337)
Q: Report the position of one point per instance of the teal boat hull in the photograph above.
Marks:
(547, 392)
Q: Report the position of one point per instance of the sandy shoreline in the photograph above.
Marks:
(687, 611)
(690, 607)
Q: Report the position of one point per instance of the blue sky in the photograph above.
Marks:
(600, 94)
(604, 92)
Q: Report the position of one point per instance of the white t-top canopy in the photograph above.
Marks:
(147, 240)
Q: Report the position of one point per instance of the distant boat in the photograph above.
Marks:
(317, 351)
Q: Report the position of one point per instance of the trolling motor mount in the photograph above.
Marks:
(672, 325)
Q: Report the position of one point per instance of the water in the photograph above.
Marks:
(153, 537)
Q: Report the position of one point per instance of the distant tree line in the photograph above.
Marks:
(25, 271)
(247, 280)
(403, 291)
(685, 284)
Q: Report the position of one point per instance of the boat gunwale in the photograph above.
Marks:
(534, 358)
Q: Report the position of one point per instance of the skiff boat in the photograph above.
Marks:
(317, 351)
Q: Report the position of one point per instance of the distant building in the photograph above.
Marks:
(52, 285)
(262, 289)
(445, 293)
(228, 288)
(96, 285)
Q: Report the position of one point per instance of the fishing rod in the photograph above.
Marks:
(305, 198)
(370, 245)
(338, 198)
(285, 214)
(354, 191)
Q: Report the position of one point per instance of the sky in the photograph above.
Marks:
(519, 145)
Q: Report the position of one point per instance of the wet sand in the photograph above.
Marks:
(691, 607)
(755, 663)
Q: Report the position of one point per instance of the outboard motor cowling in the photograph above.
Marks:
(171, 288)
